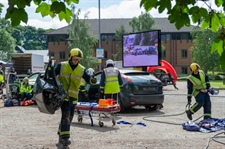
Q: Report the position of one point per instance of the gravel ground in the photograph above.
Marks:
(27, 128)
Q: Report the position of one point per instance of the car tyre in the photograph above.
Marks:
(122, 108)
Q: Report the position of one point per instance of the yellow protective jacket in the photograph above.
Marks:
(198, 84)
(1, 76)
(111, 80)
(71, 80)
(25, 88)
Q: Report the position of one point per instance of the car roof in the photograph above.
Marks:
(130, 71)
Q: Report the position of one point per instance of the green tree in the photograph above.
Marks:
(118, 36)
(7, 45)
(54, 8)
(185, 11)
(82, 38)
(201, 49)
(143, 22)
(30, 38)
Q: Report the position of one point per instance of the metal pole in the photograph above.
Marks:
(99, 29)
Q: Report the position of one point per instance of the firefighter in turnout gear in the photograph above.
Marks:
(198, 85)
(111, 81)
(70, 74)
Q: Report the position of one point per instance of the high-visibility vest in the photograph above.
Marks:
(198, 84)
(25, 88)
(1, 76)
(71, 79)
(111, 80)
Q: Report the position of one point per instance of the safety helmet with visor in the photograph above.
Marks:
(90, 71)
(109, 61)
(76, 52)
(194, 66)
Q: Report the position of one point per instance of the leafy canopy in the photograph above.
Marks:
(16, 9)
(185, 11)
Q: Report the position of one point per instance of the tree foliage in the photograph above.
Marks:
(185, 11)
(16, 9)
(143, 22)
(82, 38)
(7, 44)
(30, 38)
(118, 36)
(201, 50)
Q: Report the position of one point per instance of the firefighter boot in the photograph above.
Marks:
(59, 142)
(189, 114)
(66, 141)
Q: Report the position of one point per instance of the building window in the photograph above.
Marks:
(105, 54)
(104, 37)
(163, 37)
(184, 36)
(168, 36)
(184, 70)
(62, 55)
(184, 53)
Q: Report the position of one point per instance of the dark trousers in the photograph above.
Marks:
(25, 95)
(202, 100)
(67, 110)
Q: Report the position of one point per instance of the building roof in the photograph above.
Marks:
(111, 25)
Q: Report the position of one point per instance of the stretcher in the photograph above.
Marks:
(89, 108)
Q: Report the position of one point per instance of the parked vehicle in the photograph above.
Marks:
(24, 61)
(139, 88)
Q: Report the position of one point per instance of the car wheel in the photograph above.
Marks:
(122, 108)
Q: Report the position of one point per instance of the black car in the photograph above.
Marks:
(139, 88)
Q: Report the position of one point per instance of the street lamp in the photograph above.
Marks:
(99, 30)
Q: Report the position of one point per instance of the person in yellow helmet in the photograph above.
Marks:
(70, 74)
(198, 85)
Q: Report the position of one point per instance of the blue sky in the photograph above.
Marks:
(109, 9)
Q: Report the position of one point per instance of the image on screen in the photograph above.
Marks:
(141, 49)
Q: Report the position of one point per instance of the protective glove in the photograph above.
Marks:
(93, 80)
(85, 94)
(189, 99)
(211, 91)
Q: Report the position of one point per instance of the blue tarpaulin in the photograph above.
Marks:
(207, 125)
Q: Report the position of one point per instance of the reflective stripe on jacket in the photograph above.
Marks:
(198, 84)
(71, 79)
(111, 80)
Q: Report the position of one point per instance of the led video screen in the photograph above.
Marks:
(142, 49)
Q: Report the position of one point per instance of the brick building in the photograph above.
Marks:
(176, 42)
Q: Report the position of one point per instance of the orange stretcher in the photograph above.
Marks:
(93, 108)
